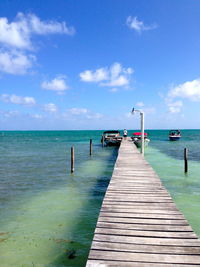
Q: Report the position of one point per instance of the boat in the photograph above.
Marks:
(111, 138)
(137, 139)
(174, 135)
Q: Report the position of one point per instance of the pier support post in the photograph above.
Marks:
(185, 160)
(142, 128)
(90, 147)
(142, 132)
(72, 159)
(102, 140)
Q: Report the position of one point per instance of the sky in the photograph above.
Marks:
(77, 65)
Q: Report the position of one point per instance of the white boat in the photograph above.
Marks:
(174, 135)
(111, 138)
(137, 139)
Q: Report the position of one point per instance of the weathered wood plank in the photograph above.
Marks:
(144, 257)
(143, 221)
(148, 240)
(145, 227)
(141, 215)
(139, 196)
(141, 204)
(146, 248)
(144, 233)
(151, 193)
(138, 199)
(138, 210)
(106, 263)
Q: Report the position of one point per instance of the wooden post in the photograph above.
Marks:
(72, 159)
(142, 132)
(185, 160)
(90, 147)
(102, 140)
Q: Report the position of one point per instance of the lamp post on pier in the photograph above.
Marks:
(142, 127)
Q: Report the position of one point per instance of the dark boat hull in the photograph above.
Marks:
(112, 141)
(174, 138)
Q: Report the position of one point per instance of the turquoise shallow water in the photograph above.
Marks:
(167, 160)
(48, 215)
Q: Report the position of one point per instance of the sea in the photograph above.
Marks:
(48, 214)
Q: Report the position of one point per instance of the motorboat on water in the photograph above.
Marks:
(174, 135)
(137, 139)
(111, 138)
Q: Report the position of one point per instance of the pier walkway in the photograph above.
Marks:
(139, 224)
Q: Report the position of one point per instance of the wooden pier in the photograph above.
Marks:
(139, 224)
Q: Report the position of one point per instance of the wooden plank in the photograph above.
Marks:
(145, 233)
(146, 227)
(142, 221)
(146, 248)
(138, 210)
(137, 188)
(148, 240)
(141, 215)
(137, 199)
(144, 257)
(106, 263)
(135, 204)
(139, 191)
(140, 196)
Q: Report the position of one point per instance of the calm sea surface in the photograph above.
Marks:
(48, 215)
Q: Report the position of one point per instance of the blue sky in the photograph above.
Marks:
(85, 64)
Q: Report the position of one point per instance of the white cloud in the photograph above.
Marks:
(121, 80)
(47, 27)
(18, 33)
(15, 34)
(94, 116)
(20, 100)
(50, 107)
(83, 112)
(113, 90)
(58, 84)
(149, 110)
(15, 62)
(116, 75)
(37, 116)
(10, 114)
(189, 90)
(128, 114)
(16, 38)
(94, 76)
(78, 111)
(175, 107)
(138, 26)
(139, 104)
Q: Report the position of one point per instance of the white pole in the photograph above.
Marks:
(142, 132)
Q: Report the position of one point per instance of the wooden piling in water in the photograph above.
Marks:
(102, 140)
(90, 147)
(72, 159)
(185, 160)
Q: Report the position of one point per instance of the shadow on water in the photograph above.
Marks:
(176, 149)
(75, 251)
